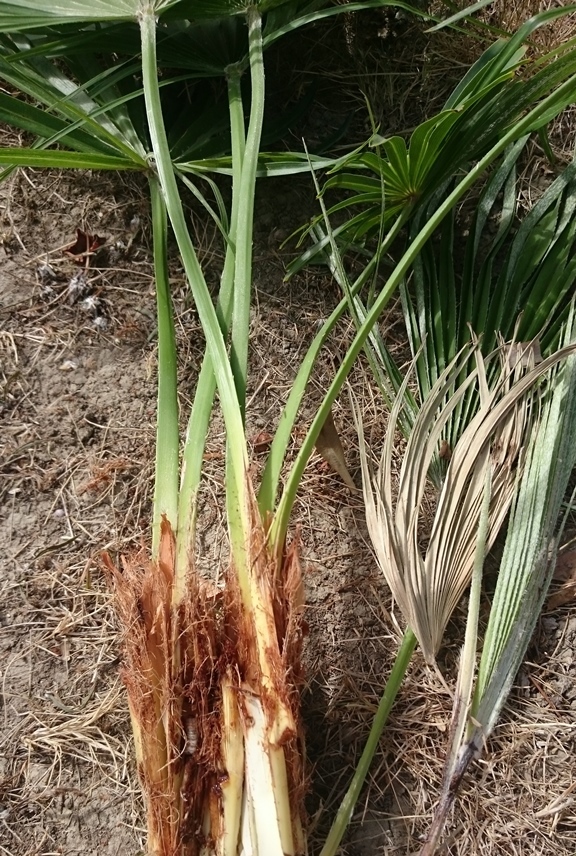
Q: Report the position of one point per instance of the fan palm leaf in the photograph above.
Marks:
(428, 583)
(524, 575)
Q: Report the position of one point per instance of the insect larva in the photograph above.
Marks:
(191, 735)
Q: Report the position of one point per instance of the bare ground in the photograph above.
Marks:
(77, 410)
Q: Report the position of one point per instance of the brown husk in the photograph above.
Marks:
(175, 658)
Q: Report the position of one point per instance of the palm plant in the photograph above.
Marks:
(211, 674)
(399, 189)
(391, 178)
(441, 311)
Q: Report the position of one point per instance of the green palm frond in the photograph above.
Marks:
(393, 175)
(505, 278)
(22, 15)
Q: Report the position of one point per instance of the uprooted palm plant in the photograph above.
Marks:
(212, 671)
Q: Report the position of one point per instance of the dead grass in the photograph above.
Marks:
(67, 756)
(511, 14)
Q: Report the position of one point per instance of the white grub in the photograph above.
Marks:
(191, 735)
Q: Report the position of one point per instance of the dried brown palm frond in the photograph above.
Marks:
(428, 584)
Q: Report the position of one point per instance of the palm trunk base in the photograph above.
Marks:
(218, 745)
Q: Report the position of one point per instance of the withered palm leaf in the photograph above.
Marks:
(524, 575)
(428, 583)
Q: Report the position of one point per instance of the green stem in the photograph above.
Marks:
(381, 365)
(389, 696)
(240, 531)
(243, 270)
(192, 457)
(166, 474)
(215, 343)
(282, 436)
